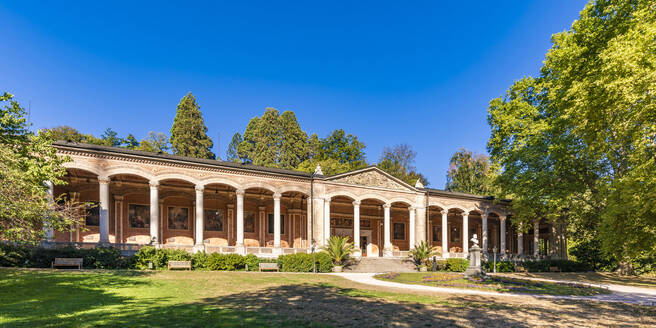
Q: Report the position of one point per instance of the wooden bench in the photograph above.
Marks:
(269, 266)
(179, 265)
(554, 269)
(67, 262)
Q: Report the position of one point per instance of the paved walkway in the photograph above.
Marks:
(620, 293)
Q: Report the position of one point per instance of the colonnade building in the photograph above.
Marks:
(195, 204)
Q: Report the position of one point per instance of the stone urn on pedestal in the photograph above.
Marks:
(474, 269)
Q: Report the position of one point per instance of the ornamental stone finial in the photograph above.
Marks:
(318, 171)
(418, 184)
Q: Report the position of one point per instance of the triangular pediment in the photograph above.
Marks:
(371, 177)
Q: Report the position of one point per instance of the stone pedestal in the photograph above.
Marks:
(474, 269)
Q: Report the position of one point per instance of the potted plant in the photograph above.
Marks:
(339, 250)
(420, 254)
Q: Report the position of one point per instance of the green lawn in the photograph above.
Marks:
(501, 284)
(47, 298)
(602, 278)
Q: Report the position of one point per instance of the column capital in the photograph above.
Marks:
(199, 188)
(103, 180)
(153, 183)
(356, 203)
(465, 213)
(502, 217)
(444, 212)
(387, 205)
(327, 199)
(277, 196)
(240, 192)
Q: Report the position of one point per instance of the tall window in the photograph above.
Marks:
(282, 224)
(399, 231)
(93, 215)
(437, 233)
(455, 234)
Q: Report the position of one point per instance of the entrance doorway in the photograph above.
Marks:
(364, 241)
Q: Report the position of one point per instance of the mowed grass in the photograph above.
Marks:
(47, 298)
(494, 284)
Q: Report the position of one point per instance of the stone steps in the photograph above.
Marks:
(381, 265)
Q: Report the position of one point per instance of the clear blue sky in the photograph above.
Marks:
(388, 72)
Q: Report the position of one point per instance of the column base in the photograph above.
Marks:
(199, 248)
(387, 252)
(277, 250)
(357, 253)
(446, 255)
(240, 249)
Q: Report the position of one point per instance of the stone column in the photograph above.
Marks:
(502, 223)
(104, 209)
(445, 234)
(356, 228)
(154, 212)
(49, 233)
(240, 220)
(552, 240)
(465, 233)
(520, 241)
(200, 215)
(276, 220)
(387, 248)
(484, 236)
(411, 233)
(326, 220)
(536, 238)
(420, 224)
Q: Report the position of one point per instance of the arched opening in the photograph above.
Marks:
(341, 217)
(219, 225)
(294, 228)
(81, 186)
(177, 213)
(435, 232)
(130, 215)
(372, 226)
(258, 204)
(400, 228)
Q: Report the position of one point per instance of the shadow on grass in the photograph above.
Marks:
(48, 299)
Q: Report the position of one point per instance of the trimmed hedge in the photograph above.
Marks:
(39, 257)
(302, 262)
(456, 265)
(538, 266)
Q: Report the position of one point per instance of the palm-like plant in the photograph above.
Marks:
(421, 253)
(339, 249)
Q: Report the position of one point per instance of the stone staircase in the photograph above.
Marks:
(373, 264)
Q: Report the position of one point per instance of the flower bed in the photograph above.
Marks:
(495, 284)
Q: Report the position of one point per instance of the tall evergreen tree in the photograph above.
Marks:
(232, 153)
(274, 140)
(110, 137)
(189, 133)
(336, 153)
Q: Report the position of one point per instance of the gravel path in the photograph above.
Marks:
(620, 293)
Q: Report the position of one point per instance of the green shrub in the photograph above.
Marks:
(457, 265)
(234, 262)
(302, 262)
(441, 265)
(199, 261)
(13, 255)
(251, 262)
(502, 266)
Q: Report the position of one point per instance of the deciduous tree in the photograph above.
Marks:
(399, 161)
(471, 173)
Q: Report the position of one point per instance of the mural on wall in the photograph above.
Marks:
(214, 220)
(92, 214)
(249, 222)
(139, 216)
(178, 218)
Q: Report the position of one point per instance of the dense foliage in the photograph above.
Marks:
(456, 265)
(189, 133)
(399, 161)
(339, 249)
(578, 142)
(38, 257)
(538, 266)
(421, 253)
(27, 160)
(302, 262)
(471, 173)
